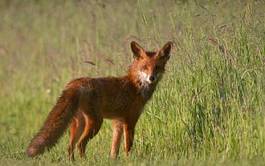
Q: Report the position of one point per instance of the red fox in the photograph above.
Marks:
(86, 101)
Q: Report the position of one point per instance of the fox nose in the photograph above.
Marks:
(152, 78)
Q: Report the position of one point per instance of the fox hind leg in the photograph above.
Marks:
(76, 129)
(73, 127)
(91, 118)
(91, 128)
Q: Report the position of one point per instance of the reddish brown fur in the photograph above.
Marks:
(86, 101)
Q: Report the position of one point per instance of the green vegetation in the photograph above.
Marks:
(208, 109)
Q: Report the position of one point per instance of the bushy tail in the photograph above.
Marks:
(55, 124)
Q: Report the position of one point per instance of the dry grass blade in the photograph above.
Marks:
(222, 49)
(90, 62)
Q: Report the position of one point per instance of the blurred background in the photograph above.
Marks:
(208, 109)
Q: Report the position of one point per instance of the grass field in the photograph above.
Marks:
(209, 109)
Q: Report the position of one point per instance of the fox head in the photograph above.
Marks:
(147, 67)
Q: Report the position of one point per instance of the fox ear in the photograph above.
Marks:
(165, 50)
(137, 50)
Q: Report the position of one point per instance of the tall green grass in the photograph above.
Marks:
(208, 109)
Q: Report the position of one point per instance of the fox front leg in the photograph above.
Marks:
(116, 138)
(128, 137)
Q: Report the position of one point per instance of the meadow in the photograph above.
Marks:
(209, 109)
